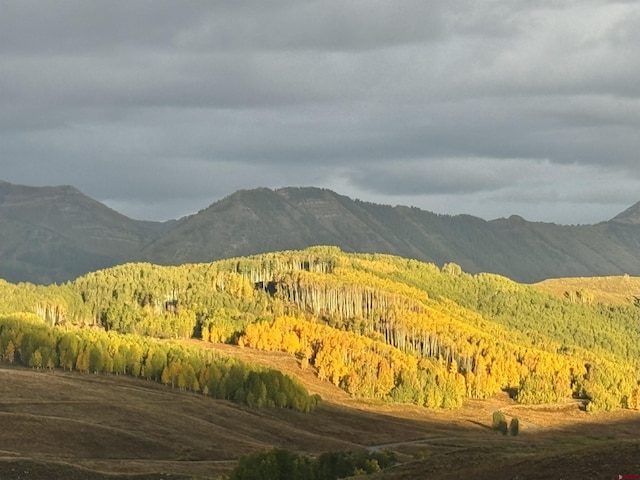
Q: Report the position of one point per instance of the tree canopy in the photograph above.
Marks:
(377, 326)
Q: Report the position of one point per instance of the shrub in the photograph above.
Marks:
(500, 423)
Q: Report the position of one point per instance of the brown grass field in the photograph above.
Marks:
(62, 425)
(614, 290)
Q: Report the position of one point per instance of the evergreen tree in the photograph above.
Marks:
(499, 422)
(514, 426)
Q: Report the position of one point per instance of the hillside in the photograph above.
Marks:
(54, 234)
(616, 290)
(377, 326)
(73, 426)
(80, 426)
(263, 220)
(190, 367)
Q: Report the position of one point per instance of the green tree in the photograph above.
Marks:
(96, 358)
(275, 464)
(68, 346)
(514, 426)
(155, 363)
(499, 422)
(82, 362)
(10, 353)
(36, 360)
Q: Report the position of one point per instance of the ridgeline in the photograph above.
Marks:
(55, 234)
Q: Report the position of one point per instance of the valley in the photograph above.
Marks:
(319, 240)
(59, 425)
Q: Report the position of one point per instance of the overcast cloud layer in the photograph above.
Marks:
(491, 107)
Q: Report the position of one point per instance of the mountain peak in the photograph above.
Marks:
(631, 216)
(17, 190)
(55, 233)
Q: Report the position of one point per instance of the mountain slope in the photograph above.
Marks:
(262, 220)
(614, 290)
(379, 327)
(631, 216)
(52, 234)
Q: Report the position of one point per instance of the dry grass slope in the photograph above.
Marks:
(60, 425)
(613, 290)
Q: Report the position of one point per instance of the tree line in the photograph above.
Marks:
(26, 340)
(278, 464)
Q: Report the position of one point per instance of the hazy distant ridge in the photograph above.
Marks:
(53, 234)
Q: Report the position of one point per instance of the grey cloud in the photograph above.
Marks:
(192, 99)
(33, 27)
(331, 25)
(432, 177)
(499, 180)
(541, 191)
(68, 26)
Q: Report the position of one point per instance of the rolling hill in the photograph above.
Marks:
(54, 234)
(73, 426)
(379, 326)
(148, 371)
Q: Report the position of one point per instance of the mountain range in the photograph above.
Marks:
(54, 234)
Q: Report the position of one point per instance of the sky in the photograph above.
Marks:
(484, 107)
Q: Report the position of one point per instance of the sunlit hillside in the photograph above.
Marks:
(618, 290)
(377, 326)
(364, 360)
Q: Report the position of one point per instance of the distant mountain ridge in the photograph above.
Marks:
(54, 234)
(630, 216)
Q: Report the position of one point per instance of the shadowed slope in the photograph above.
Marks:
(94, 426)
(263, 220)
(52, 234)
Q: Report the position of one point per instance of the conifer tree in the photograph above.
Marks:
(514, 426)
(499, 422)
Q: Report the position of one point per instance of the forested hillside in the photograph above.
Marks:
(377, 326)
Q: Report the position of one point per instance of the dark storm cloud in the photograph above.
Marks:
(458, 104)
